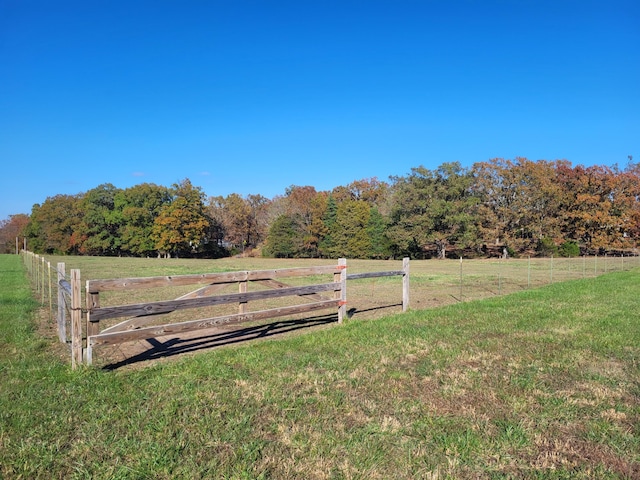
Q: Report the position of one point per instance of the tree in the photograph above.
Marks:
(234, 214)
(135, 211)
(259, 225)
(350, 230)
(182, 224)
(281, 241)
(521, 203)
(99, 226)
(54, 226)
(377, 233)
(632, 222)
(602, 207)
(326, 246)
(433, 209)
(370, 190)
(10, 229)
(306, 208)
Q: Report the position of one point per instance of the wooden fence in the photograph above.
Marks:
(135, 327)
(138, 317)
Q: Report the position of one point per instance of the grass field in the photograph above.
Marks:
(542, 383)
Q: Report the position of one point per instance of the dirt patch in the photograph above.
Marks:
(565, 450)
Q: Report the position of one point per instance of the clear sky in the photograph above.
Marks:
(255, 96)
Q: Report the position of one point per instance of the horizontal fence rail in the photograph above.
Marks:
(113, 337)
(155, 308)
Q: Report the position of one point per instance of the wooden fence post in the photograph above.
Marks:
(242, 288)
(76, 319)
(342, 294)
(405, 284)
(50, 292)
(93, 327)
(34, 270)
(62, 313)
(44, 283)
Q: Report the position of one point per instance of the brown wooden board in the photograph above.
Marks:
(154, 308)
(94, 286)
(174, 328)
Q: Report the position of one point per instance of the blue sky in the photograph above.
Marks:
(255, 96)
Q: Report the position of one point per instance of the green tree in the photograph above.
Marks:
(135, 211)
(281, 241)
(350, 230)
(432, 209)
(99, 227)
(377, 233)
(326, 245)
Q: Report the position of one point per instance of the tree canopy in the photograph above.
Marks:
(523, 206)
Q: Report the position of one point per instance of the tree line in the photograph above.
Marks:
(498, 207)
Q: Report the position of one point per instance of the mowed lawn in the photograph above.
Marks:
(537, 384)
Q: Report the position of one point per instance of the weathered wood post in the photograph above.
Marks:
(76, 319)
(93, 326)
(62, 320)
(405, 284)
(341, 278)
(34, 272)
(43, 286)
(242, 288)
(50, 292)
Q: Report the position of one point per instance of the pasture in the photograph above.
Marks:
(541, 383)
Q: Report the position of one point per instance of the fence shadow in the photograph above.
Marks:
(355, 311)
(177, 346)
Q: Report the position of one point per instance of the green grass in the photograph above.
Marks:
(539, 384)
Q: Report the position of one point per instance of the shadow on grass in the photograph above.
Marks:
(354, 311)
(177, 346)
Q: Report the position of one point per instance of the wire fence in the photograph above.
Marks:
(478, 279)
(51, 285)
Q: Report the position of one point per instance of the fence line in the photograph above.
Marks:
(69, 311)
(436, 283)
(57, 298)
(515, 274)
